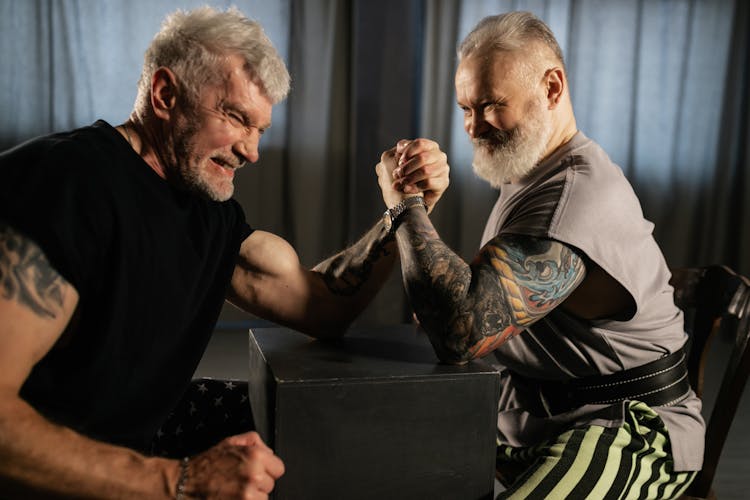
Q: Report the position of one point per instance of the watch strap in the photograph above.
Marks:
(397, 210)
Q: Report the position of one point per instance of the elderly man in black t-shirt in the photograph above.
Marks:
(118, 246)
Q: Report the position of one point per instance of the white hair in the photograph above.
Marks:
(193, 44)
(513, 32)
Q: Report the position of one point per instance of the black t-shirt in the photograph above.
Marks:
(151, 264)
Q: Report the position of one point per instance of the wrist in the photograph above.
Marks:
(173, 473)
(392, 216)
(181, 484)
(401, 199)
(163, 476)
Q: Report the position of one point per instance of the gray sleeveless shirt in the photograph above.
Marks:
(579, 197)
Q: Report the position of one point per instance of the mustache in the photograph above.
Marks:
(496, 138)
(229, 161)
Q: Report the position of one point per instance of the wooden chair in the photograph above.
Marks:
(715, 299)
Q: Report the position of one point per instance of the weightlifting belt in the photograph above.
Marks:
(659, 383)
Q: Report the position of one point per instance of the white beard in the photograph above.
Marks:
(504, 156)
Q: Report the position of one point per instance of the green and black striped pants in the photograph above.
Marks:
(594, 462)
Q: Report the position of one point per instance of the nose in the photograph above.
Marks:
(475, 125)
(247, 147)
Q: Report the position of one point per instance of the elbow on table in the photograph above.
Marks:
(451, 353)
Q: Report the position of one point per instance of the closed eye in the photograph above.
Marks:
(237, 119)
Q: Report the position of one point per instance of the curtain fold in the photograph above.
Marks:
(662, 85)
(441, 33)
(726, 219)
(318, 142)
(386, 73)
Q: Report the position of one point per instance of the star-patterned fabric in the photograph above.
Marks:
(210, 410)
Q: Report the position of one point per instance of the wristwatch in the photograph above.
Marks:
(391, 215)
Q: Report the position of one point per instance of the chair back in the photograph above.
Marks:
(715, 299)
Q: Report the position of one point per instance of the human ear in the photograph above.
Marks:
(163, 92)
(554, 80)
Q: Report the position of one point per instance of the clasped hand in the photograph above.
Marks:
(413, 167)
(240, 466)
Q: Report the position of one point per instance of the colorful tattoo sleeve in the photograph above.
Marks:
(27, 277)
(470, 309)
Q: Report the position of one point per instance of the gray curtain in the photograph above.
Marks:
(66, 63)
(726, 217)
(661, 85)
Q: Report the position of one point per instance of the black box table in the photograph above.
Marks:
(373, 415)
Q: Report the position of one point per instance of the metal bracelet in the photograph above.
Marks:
(183, 478)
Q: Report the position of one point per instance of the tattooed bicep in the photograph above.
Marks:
(535, 274)
(27, 277)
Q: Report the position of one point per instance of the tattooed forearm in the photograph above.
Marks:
(27, 277)
(346, 272)
(439, 285)
(468, 310)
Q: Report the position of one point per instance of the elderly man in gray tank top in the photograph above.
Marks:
(568, 294)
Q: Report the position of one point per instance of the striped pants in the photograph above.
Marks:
(628, 462)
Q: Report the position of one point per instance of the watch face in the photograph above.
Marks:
(387, 220)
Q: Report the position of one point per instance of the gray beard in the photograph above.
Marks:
(505, 156)
(187, 171)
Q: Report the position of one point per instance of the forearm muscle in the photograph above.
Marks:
(468, 310)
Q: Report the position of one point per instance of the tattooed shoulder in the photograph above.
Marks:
(26, 275)
(543, 271)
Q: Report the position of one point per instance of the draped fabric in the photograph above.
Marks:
(66, 63)
(726, 217)
(662, 85)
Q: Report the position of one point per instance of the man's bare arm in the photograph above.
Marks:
(40, 459)
(470, 309)
(270, 281)
(27, 278)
